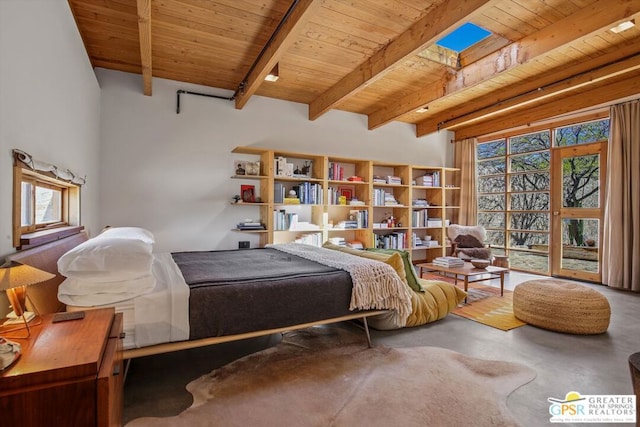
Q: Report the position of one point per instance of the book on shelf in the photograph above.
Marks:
(340, 241)
(250, 225)
(278, 192)
(395, 180)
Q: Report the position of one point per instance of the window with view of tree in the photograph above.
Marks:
(513, 182)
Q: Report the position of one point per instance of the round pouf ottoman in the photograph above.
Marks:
(561, 306)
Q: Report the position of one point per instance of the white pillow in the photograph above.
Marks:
(141, 285)
(107, 259)
(129, 233)
(95, 299)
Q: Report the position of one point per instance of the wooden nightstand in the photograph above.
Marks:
(69, 374)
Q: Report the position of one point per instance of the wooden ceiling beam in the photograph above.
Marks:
(418, 37)
(144, 30)
(535, 94)
(602, 94)
(278, 46)
(578, 26)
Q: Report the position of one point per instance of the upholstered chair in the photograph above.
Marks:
(468, 241)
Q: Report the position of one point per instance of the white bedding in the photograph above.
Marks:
(158, 316)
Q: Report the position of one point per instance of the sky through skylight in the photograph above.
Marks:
(465, 36)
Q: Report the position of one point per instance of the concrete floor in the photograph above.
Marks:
(596, 364)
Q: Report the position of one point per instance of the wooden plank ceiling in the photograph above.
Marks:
(377, 57)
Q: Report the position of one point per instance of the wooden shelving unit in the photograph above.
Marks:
(419, 203)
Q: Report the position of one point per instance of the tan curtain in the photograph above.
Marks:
(465, 160)
(621, 245)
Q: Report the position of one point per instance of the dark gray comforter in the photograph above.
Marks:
(239, 291)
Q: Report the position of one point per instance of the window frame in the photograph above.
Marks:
(37, 234)
(506, 230)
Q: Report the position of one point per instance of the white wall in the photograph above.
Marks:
(171, 172)
(49, 100)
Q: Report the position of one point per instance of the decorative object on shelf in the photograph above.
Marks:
(248, 193)
(14, 278)
(306, 169)
(480, 263)
(347, 191)
(253, 168)
(241, 168)
(236, 199)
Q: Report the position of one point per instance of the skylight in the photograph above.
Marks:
(463, 37)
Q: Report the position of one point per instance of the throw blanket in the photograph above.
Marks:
(375, 284)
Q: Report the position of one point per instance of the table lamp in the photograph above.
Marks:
(14, 278)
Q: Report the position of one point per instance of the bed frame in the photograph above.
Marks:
(44, 297)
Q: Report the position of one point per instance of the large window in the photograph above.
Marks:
(514, 179)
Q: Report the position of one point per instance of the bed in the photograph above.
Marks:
(187, 306)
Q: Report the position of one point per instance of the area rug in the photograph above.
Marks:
(484, 304)
(326, 376)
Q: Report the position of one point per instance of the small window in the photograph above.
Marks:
(463, 37)
(42, 204)
(46, 204)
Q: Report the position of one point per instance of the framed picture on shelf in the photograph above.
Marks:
(248, 193)
(241, 167)
(253, 168)
(347, 191)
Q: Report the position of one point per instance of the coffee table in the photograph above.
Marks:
(466, 272)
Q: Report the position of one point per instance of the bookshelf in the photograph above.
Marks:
(345, 200)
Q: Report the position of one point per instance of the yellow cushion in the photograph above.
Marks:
(394, 260)
(435, 303)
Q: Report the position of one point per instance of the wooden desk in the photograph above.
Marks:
(69, 374)
(466, 272)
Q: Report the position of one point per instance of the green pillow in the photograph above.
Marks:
(410, 271)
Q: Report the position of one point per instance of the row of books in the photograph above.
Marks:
(283, 220)
(429, 180)
(395, 240)
(449, 261)
(384, 198)
(419, 218)
(314, 239)
(427, 242)
(336, 171)
(307, 193)
(361, 217)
